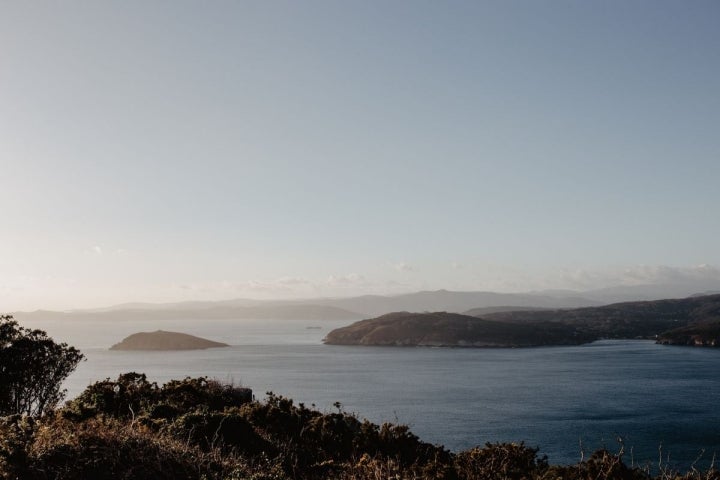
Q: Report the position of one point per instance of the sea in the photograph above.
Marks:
(658, 405)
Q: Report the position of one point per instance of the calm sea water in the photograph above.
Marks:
(654, 399)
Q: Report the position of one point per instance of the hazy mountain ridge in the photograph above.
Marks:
(349, 308)
(270, 312)
(481, 311)
(449, 301)
(365, 306)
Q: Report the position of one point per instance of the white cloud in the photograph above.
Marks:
(403, 267)
(259, 286)
(106, 251)
(292, 281)
(351, 279)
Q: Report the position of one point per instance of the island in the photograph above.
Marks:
(162, 340)
(693, 321)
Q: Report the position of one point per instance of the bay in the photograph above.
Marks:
(654, 401)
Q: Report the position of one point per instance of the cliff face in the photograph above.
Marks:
(161, 340)
(451, 329)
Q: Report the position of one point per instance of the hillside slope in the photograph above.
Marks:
(688, 321)
(624, 320)
(451, 329)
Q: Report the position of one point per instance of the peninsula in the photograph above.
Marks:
(442, 329)
(162, 340)
(687, 321)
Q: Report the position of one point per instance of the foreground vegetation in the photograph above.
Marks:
(197, 428)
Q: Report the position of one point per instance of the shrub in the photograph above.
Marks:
(500, 461)
(106, 449)
(32, 369)
(125, 397)
(227, 431)
(602, 465)
(131, 395)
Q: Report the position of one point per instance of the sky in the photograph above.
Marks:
(170, 150)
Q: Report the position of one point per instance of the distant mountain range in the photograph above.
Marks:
(370, 305)
(456, 302)
(270, 312)
(367, 306)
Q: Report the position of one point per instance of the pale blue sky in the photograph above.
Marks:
(166, 150)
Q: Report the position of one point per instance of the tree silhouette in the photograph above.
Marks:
(32, 369)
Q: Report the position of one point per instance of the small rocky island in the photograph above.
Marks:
(162, 340)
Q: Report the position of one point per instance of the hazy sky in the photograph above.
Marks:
(169, 150)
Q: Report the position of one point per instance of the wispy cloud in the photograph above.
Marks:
(99, 250)
(349, 280)
(292, 281)
(586, 279)
(286, 285)
(293, 287)
(402, 267)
